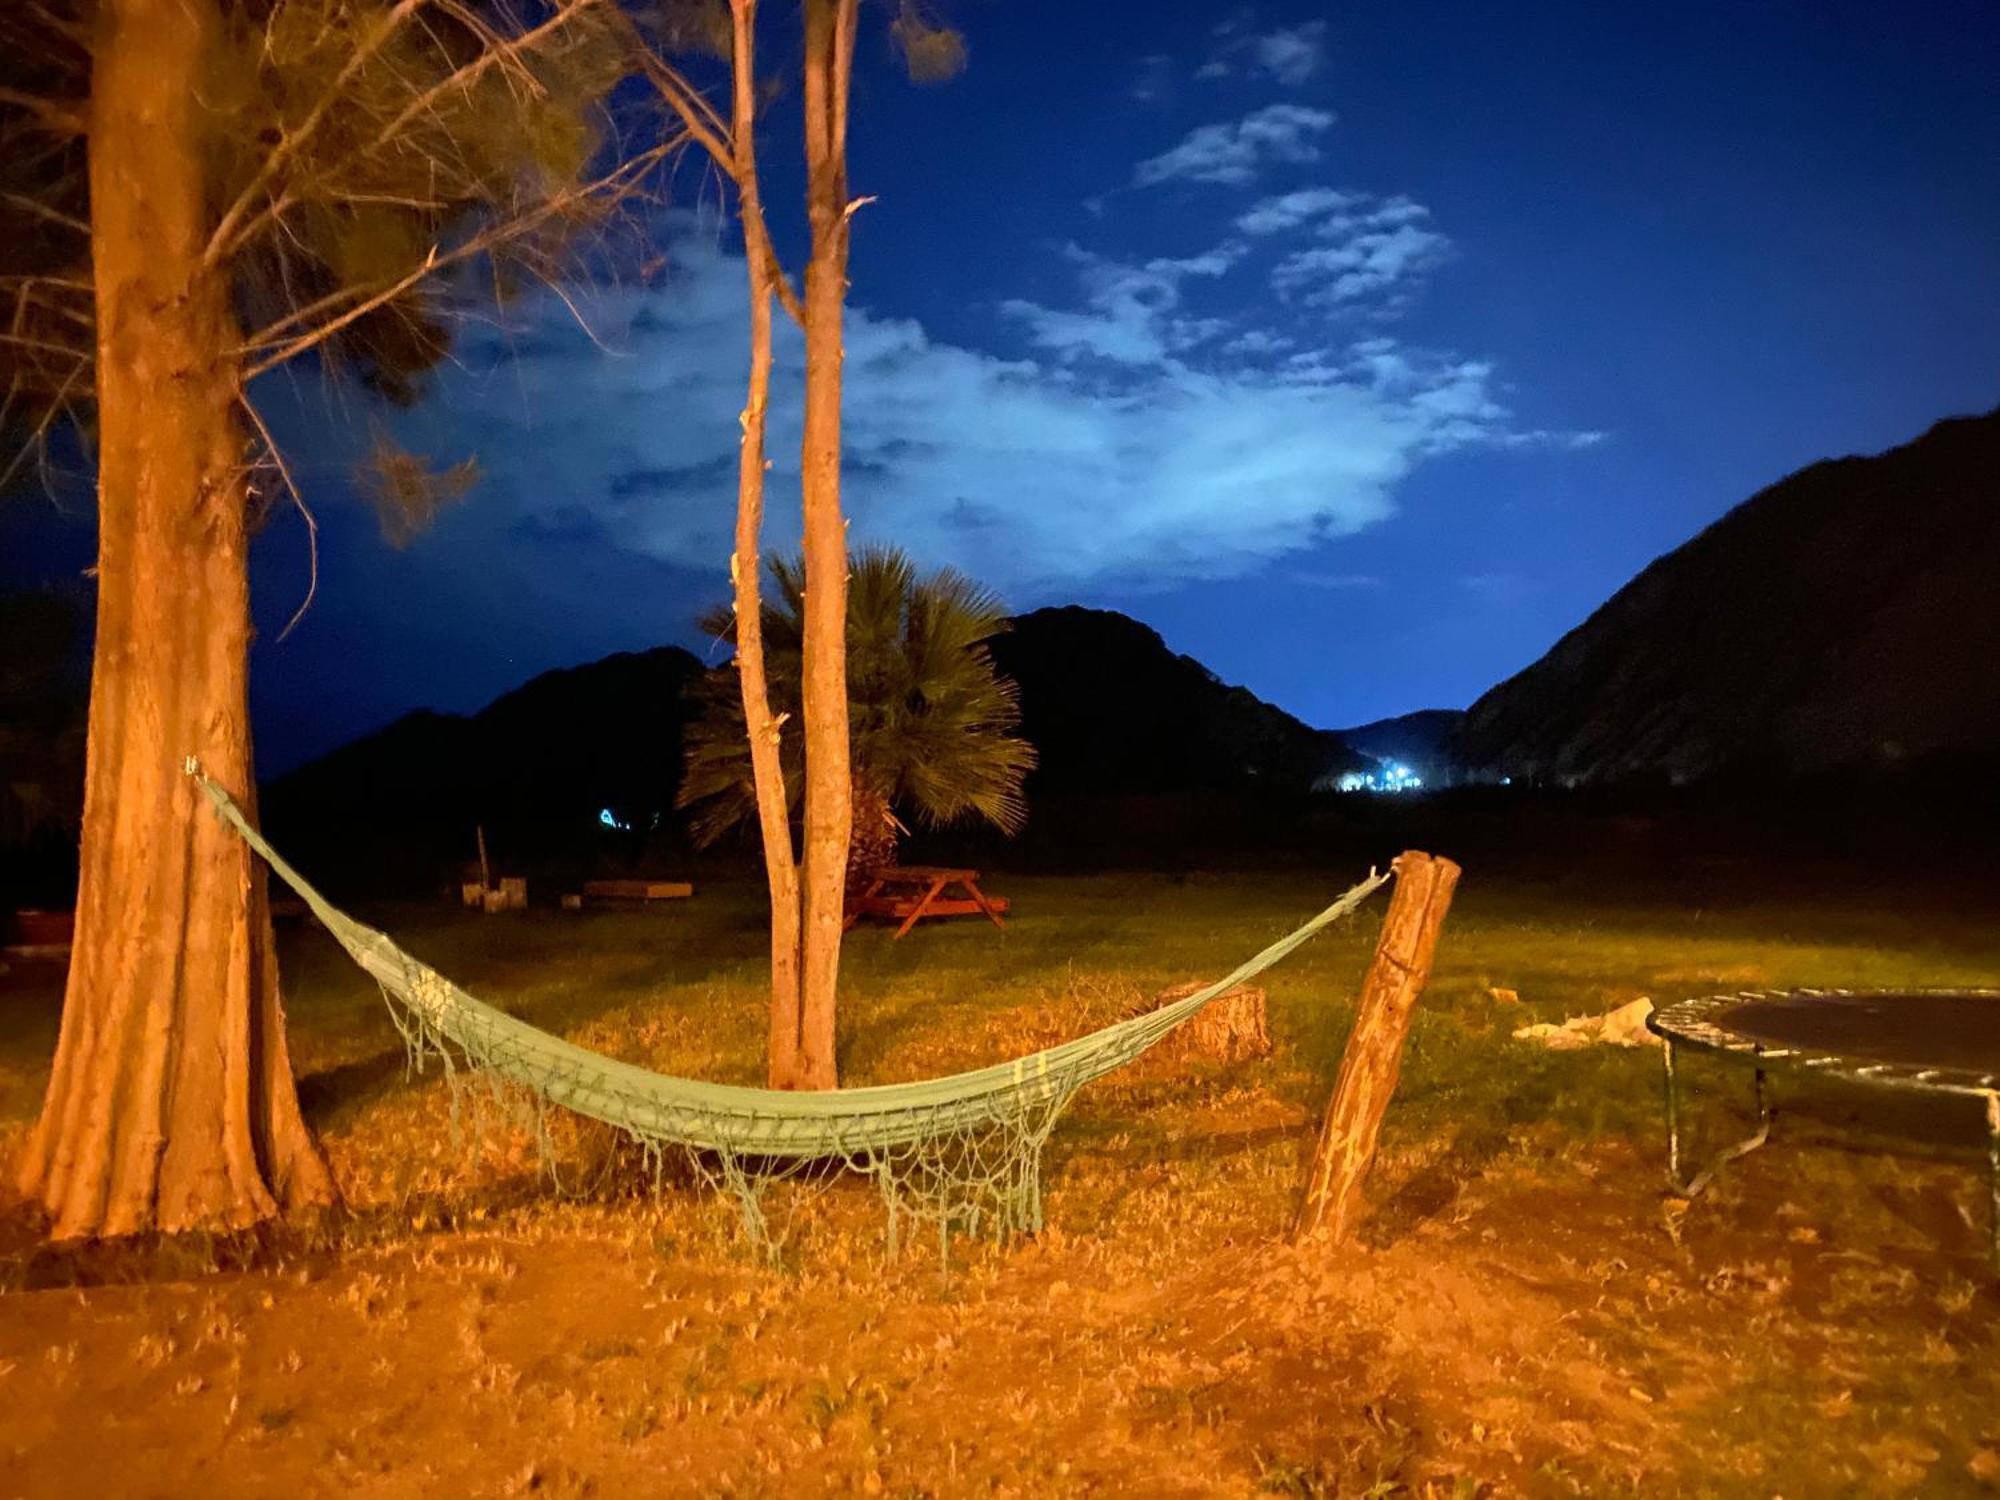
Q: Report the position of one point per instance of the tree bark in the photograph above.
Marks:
(1373, 1060)
(1234, 1026)
(829, 56)
(876, 837)
(746, 569)
(171, 1105)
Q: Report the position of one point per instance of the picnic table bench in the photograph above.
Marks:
(910, 892)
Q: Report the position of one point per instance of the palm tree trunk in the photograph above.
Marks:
(877, 836)
(171, 1104)
(829, 56)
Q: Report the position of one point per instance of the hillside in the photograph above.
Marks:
(1113, 713)
(1844, 618)
(1421, 740)
(535, 768)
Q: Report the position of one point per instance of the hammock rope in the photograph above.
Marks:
(962, 1151)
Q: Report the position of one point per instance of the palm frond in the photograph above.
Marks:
(933, 723)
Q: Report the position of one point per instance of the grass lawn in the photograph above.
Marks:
(1527, 1312)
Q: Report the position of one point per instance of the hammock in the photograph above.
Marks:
(962, 1151)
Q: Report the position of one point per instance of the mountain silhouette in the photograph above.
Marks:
(1846, 618)
(579, 767)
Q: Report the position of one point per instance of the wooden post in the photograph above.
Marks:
(1374, 1055)
(485, 871)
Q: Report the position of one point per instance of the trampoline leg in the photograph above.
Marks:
(1673, 1118)
(1993, 1165)
(1688, 1187)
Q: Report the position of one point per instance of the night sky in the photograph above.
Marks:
(1361, 350)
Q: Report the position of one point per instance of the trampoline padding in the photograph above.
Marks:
(1927, 1029)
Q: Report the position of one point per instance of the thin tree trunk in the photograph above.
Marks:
(746, 571)
(171, 1105)
(829, 55)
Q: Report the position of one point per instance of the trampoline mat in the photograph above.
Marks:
(1928, 1030)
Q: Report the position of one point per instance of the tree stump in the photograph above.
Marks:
(1230, 1028)
(1373, 1060)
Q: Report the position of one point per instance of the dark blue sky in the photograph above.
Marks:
(1362, 350)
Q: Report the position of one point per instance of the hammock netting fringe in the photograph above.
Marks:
(957, 1153)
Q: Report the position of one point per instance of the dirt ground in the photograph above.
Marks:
(1561, 1328)
(1527, 1312)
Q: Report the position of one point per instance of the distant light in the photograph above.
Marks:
(1392, 776)
(610, 820)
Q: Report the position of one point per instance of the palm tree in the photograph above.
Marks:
(932, 721)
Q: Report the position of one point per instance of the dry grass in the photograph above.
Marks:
(1527, 1314)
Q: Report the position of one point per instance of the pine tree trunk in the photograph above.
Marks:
(171, 1105)
(829, 54)
(747, 569)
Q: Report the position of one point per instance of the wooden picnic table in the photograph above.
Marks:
(910, 892)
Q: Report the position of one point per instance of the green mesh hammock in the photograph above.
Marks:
(958, 1152)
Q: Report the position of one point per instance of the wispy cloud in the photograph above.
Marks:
(1289, 54)
(1155, 79)
(1257, 342)
(1039, 475)
(1363, 246)
(1235, 152)
(1290, 210)
(1362, 264)
(1500, 590)
(1131, 312)
(1336, 581)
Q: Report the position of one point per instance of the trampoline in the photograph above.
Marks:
(1930, 1041)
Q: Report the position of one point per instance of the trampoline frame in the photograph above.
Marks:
(1696, 1024)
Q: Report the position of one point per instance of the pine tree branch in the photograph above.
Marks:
(40, 210)
(57, 405)
(312, 337)
(276, 458)
(497, 51)
(615, 185)
(39, 346)
(69, 119)
(25, 294)
(734, 153)
(224, 239)
(696, 113)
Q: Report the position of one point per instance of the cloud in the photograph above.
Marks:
(1289, 210)
(1291, 54)
(1365, 246)
(1235, 151)
(1500, 590)
(1337, 581)
(1125, 453)
(1361, 265)
(1155, 78)
(1253, 342)
(1130, 313)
